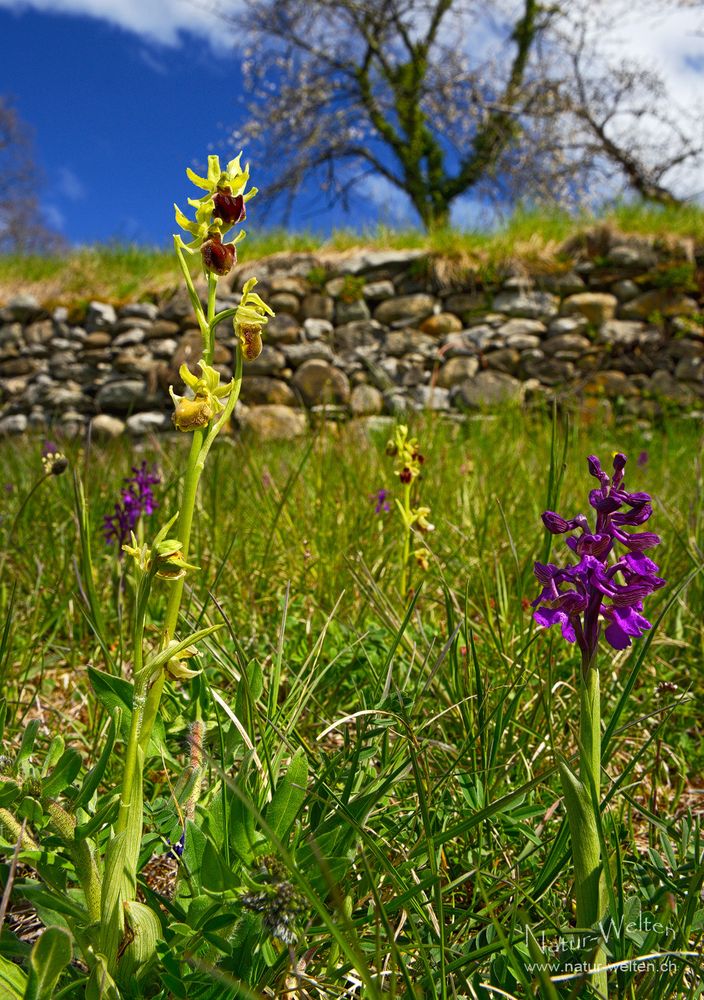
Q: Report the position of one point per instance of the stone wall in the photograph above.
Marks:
(379, 332)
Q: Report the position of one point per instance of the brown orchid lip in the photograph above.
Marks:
(218, 257)
(228, 207)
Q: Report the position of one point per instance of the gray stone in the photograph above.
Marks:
(288, 283)
(663, 301)
(377, 291)
(457, 369)
(399, 342)
(522, 328)
(464, 303)
(406, 308)
(621, 333)
(531, 305)
(357, 334)
(316, 306)
(40, 332)
(633, 256)
(317, 329)
(625, 290)
(373, 260)
(285, 302)
(270, 361)
(274, 423)
(431, 397)
(260, 390)
(122, 395)
(522, 341)
(163, 349)
(567, 345)
(105, 427)
(23, 308)
(690, 369)
(150, 422)
(351, 312)
(366, 400)
(61, 397)
(135, 335)
(595, 307)
(296, 354)
(488, 389)
(568, 324)
(283, 329)
(550, 371)
(100, 315)
(318, 383)
(504, 360)
(139, 310)
(665, 385)
(563, 284)
(16, 423)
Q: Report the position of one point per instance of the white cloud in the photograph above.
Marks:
(69, 184)
(54, 216)
(160, 21)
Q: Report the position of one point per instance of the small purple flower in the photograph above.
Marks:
(597, 587)
(642, 459)
(382, 504)
(136, 499)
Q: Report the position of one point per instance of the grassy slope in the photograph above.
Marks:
(480, 720)
(122, 273)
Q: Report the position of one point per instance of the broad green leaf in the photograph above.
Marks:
(13, 981)
(28, 738)
(63, 775)
(289, 796)
(50, 956)
(145, 930)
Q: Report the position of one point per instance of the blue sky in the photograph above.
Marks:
(116, 119)
(122, 95)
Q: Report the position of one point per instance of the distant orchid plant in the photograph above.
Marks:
(605, 589)
(407, 466)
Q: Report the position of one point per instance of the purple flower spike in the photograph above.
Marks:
(382, 504)
(601, 586)
(136, 499)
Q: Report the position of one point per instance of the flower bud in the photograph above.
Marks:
(229, 208)
(218, 257)
(251, 340)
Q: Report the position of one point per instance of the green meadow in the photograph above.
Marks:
(367, 779)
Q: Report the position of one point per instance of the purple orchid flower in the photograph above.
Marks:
(602, 585)
(382, 504)
(136, 499)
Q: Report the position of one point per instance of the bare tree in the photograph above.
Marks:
(388, 87)
(506, 99)
(22, 228)
(613, 117)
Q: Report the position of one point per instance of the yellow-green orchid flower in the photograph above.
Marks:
(206, 403)
(251, 315)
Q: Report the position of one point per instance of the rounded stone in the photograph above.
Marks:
(441, 324)
(406, 308)
(285, 302)
(316, 306)
(104, 427)
(259, 390)
(16, 423)
(488, 389)
(150, 422)
(319, 382)
(596, 307)
(366, 401)
(456, 370)
(274, 423)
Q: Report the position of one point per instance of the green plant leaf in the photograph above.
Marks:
(63, 775)
(13, 981)
(50, 956)
(94, 776)
(289, 796)
(115, 692)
